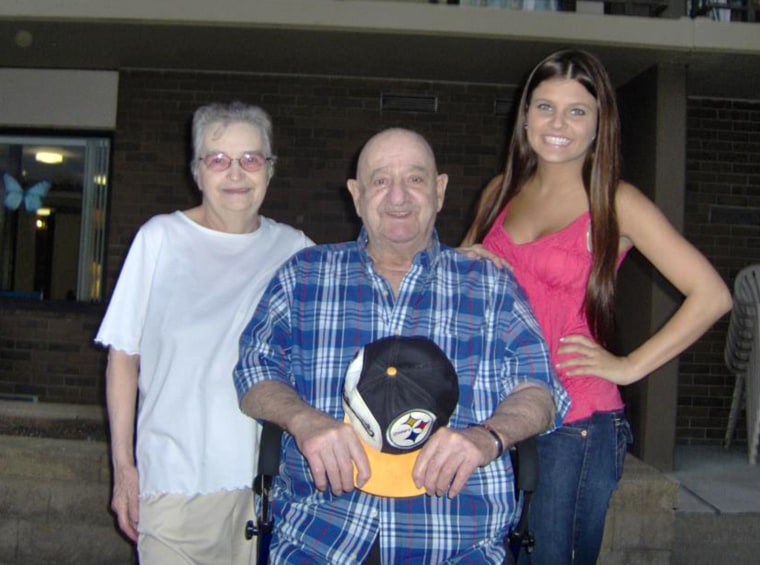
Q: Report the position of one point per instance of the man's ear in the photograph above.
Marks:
(353, 188)
(441, 182)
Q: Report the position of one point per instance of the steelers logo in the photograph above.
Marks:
(410, 430)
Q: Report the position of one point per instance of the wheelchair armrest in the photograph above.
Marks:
(525, 461)
(269, 466)
(524, 457)
(269, 451)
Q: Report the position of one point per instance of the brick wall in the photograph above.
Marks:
(722, 212)
(319, 125)
(320, 122)
(46, 351)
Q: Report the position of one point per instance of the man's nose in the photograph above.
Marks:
(397, 191)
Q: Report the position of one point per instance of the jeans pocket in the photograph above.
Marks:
(624, 439)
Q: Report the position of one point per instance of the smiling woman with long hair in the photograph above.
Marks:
(560, 215)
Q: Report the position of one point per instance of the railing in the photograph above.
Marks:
(651, 8)
(730, 11)
(739, 11)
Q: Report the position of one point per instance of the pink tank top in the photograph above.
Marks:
(553, 270)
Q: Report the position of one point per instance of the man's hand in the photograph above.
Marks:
(124, 499)
(332, 449)
(448, 459)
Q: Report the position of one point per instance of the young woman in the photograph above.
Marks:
(562, 218)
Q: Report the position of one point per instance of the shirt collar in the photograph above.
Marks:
(425, 258)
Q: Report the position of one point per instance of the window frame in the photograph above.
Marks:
(94, 215)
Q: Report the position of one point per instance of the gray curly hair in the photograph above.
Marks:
(222, 115)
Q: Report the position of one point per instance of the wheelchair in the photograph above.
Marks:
(524, 461)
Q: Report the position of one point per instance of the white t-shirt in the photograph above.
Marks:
(183, 297)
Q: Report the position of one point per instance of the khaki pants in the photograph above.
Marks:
(199, 530)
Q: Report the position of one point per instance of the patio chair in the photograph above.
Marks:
(742, 355)
(524, 461)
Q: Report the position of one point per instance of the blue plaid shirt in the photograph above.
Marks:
(324, 304)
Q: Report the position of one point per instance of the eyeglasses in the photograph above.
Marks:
(250, 162)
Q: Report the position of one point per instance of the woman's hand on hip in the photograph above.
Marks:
(590, 358)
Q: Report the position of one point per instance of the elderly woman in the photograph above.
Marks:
(190, 282)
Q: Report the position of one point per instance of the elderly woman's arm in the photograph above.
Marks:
(121, 395)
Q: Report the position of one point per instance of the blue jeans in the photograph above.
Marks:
(579, 466)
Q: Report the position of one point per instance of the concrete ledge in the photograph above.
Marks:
(59, 543)
(63, 502)
(51, 410)
(716, 538)
(54, 459)
(51, 420)
(639, 529)
(55, 495)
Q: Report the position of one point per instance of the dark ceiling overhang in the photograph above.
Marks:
(480, 51)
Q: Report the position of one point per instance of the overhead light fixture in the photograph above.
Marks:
(48, 157)
(23, 38)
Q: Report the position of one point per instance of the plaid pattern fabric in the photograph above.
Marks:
(322, 306)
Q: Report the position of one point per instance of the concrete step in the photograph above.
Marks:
(42, 542)
(639, 528)
(718, 515)
(54, 499)
(59, 501)
(54, 459)
(54, 495)
(716, 539)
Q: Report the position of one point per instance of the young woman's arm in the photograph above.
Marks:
(707, 297)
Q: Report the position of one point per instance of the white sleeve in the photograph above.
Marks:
(122, 325)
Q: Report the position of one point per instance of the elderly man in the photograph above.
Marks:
(397, 279)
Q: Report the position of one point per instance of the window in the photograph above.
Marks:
(52, 219)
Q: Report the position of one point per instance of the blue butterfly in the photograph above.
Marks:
(32, 197)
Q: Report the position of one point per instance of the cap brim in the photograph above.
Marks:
(390, 473)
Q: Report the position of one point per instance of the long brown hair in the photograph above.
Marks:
(601, 175)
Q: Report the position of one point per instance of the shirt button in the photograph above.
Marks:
(584, 433)
(373, 513)
(397, 331)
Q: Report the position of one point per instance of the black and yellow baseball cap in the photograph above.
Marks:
(398, 391)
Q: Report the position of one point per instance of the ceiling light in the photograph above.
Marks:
(23, 38)
(48, 157)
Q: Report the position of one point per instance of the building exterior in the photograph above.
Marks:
(123, 79)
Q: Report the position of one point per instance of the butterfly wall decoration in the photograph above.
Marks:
(31, 197)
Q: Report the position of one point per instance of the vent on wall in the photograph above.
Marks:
(502, 106)
(19, 397)
(409, 103)
(734, 215)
